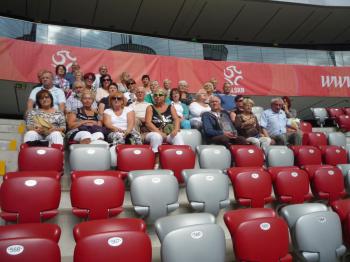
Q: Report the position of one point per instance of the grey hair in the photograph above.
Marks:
(183, 82)
(276, 99)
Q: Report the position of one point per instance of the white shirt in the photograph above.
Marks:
(57, 94)
(178, 107)
(196, 110)
(119, 121)
(139, 108)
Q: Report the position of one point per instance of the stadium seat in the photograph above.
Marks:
(262, 239)
(154, 196)
(122, 246)
(31, 230)
(213, 157)
(186, 173)
(307, 155)
(113, 173)
(29, 249)
(257, 111)
(29, 199)
(191, 137)
(190, 238)
(328, 184)
(97, 197)
(134, 157)
(93, 227)
(292, 186)
(53, 174)
(320, 114)
(346, 111)
(133, 174)
(89, 157)
(234, 171)
(305, 127)
(40, 159)
(273, 171)
(247, 155)
(176, 158)
(334, 112)
(337, 139)
(342, 208)
(279, 156)
(334, 155)
(208, 192)
(316, 139)
(252, 188)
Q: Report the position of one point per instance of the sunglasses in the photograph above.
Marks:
(106, 79)
(43, 97)
(158, 94)
(119, 98)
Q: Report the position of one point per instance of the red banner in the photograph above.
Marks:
(21, 60)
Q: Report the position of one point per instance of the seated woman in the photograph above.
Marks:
(84, 124)
(104, 102)
(120, 120)
(181, 108)
(102, 92)
(198, 107)
(248, 126)
(287, 108)
(45, 123)
(162, 122)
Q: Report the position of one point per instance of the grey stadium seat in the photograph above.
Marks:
(154, 196)
(89, 157)
(279, 156)
(186, 173)
(337, 139)
(208, 192)
(136, 173)
(191, 137)
(320, 114)
(214, 157)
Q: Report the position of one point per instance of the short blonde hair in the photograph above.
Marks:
(248, 101)
(87, 92)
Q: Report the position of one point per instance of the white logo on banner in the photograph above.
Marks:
(63, 57)
(233, 76)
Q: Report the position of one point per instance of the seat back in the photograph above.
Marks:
(177, 158)
(318, 236)
(77, 174)
(29, 249)
(328, 184)
(89, 157)
(334, 112)
(136, 173)
(198, 186)
(29, 199)
(307, 155)
(292, 186)
(205, 243)
(334, 155)
(98, 226)
(186, 173)
(247, 155)
(320, 114)
(40, 159)
(305, 127)
(253, 188)
(97, 197)
(153, 196)
(316, 139)
(165, 225)
(53, 174)
(214, 157)
(135, 157)
(262, 239)
(346, 110)
(337, 138)
(280, 156)
(114, 246)
(191, 137)
(344, 122)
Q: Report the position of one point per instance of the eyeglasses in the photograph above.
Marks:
(106, 79)
(43, 97)
(158, 94)
(119, 98)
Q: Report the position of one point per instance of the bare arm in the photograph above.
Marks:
(131, 121)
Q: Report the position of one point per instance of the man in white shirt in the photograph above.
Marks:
(59, 98)
(102, 71)
(139, 106)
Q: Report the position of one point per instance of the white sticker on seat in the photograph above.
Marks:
(30, 183)
(41, 151)
(322, 220)
(265, 226)
(14, 250)
(90, 151)
(255, 175)
(196, 234)
(115, 241)
(337, 151)
(331, 172)
(318, 134)
(311, 151)
(294, 174)
(209, 178)
(250, 151)
(282, 151)
(99, 181)
(216, 151)
(155, 180)
(179, 152)
(137, 151)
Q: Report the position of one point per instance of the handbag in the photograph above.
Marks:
(94, 129)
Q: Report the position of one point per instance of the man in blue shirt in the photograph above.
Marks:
(274, 124)
(227, 100)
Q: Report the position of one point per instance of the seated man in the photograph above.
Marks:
(139, 106)
(274, 124)
(218, 127)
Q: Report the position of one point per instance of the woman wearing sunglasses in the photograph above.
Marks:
(120, 120)
(162, 122)
(45, 123)
(102, 92)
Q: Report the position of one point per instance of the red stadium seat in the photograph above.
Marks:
(77, 174)
(343, 122)
(273, 171)
(40, 159)
(346, 111)
(53, 174)
(58, 146)
(29, 249)
(31, 230)
(252, 188)
(262, 239)
(234, 218)
(29, 199)
(316, 139)
(122, 246)
(328, 184)
(305, 127)
(292, 186)
(334, 155)
(342, 207)
(234, 171)
(334, 112)
(134, 157)
(177, 158)
(247, 155)
(97, 197)
(307, 155)
(89, 228)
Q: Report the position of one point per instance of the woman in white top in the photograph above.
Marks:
(197, 108)
(120, 121)
(102, 92)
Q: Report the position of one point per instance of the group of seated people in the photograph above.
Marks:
(126, 113)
